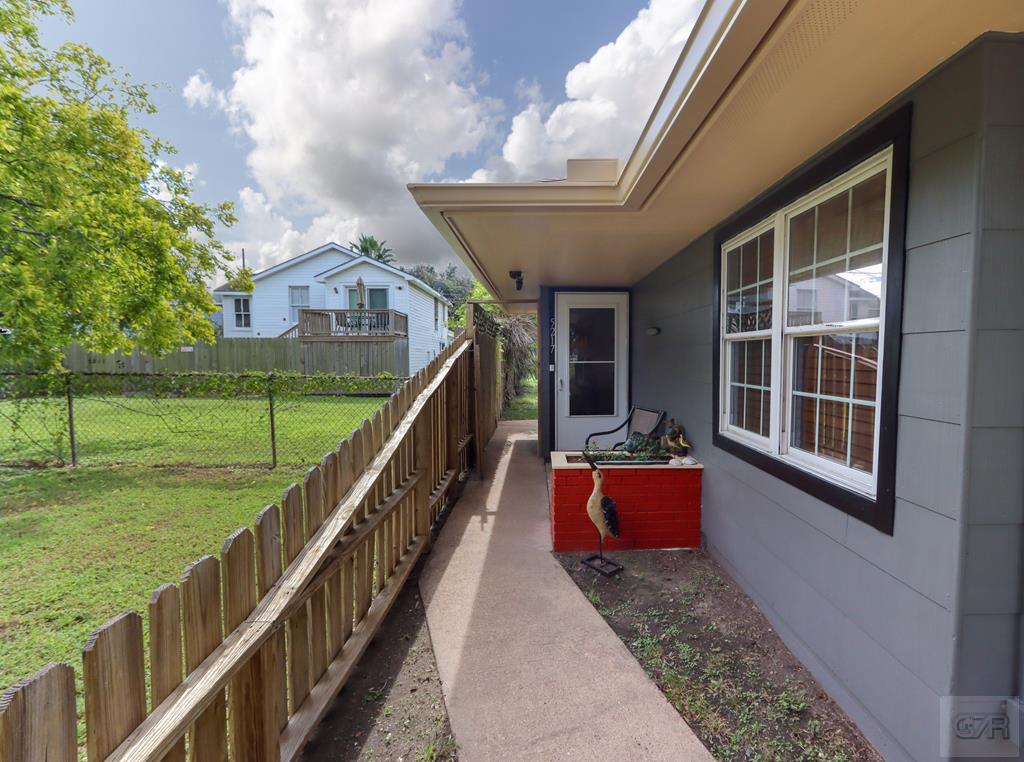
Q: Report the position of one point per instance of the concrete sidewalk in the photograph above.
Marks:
(529, 669)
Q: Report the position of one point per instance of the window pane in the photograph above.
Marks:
(755, 362)
(801, 241)
(378, 298)
(802, 426)
(805, 364)
(864, 285)
(763, 321)
(591, 334)
(733, 309)
(766, 254)
(862, 445)
(748, 309)
(748, 263)
(836, 355)
(827, 282)
(750, 381)
(867, 224)
(833, 430)
(830, 292)
(736, 406)
(753, 407)
(738, 353)
(831, 230)
(592, 388)
(732, 270)
(865, 370)
(830, 372)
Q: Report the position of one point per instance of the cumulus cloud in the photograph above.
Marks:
(343, 102)
(199, 91)
(608, 99)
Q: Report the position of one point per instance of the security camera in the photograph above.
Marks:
(517, 276)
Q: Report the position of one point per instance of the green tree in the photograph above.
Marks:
(100, 239)
(368, 246)
(452, 283)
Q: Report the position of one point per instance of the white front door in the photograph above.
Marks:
(591, 366)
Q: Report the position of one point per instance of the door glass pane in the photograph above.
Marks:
(353, 299)
(592, 388)
(591, 334)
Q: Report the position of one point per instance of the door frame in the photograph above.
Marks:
(556, 356)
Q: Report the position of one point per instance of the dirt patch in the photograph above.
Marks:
(717, 659)
(392, 707)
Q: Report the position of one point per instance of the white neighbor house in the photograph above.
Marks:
(326, 279)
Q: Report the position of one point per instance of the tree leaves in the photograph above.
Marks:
(101, 241)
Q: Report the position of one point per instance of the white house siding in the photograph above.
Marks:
(403, 296)
(424, 341)
(270, 297)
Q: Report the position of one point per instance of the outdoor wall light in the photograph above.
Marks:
(517, 276)
(653, 331)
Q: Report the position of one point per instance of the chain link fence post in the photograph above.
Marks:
(273, 426)
(72, 438)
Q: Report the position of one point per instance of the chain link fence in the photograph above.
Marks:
(193, 419)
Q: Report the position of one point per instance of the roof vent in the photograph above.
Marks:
(593, 170)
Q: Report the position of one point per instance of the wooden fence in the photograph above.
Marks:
(269, 632)
(487, 365)
(362, 358)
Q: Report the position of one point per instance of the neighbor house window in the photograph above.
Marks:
(298, 299)
(376, 299)
(802, 300)
(243, 318)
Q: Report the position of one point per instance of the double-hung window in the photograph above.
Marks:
(802, 331)
(243, 317)
(298, 299)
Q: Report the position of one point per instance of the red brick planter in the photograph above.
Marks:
(659, 506)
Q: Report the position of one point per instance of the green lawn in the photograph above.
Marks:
(78, 546)
(148, 431)
(523, 407)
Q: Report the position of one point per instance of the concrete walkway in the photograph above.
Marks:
(529, 669)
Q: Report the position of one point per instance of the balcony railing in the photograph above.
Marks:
(339, 324)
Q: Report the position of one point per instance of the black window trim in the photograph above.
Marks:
(890, 130)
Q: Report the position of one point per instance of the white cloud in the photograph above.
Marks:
(199, 91)
(346, 101)
(608, 99)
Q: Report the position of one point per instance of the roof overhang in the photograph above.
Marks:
(760, 87)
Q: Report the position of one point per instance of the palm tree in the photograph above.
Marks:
(368, 246)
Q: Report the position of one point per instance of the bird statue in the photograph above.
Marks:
(601, 510)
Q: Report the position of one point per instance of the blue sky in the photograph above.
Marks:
(312, 115)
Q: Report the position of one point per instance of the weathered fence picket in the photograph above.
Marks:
(270, 632)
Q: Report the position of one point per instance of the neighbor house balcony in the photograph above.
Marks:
(348, 325)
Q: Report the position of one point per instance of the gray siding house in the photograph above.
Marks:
(816, 265)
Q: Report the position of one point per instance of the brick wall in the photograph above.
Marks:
(658, 508)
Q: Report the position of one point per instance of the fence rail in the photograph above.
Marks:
(367, 357)
(298, 600)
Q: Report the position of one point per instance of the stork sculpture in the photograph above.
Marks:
(601, 510)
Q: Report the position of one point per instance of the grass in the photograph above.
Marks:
(79, 546)
(148, 431)
(523, 407)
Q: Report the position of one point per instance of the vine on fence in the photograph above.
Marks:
(46, 399)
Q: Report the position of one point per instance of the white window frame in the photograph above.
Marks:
(776, 445)
(239, 302)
